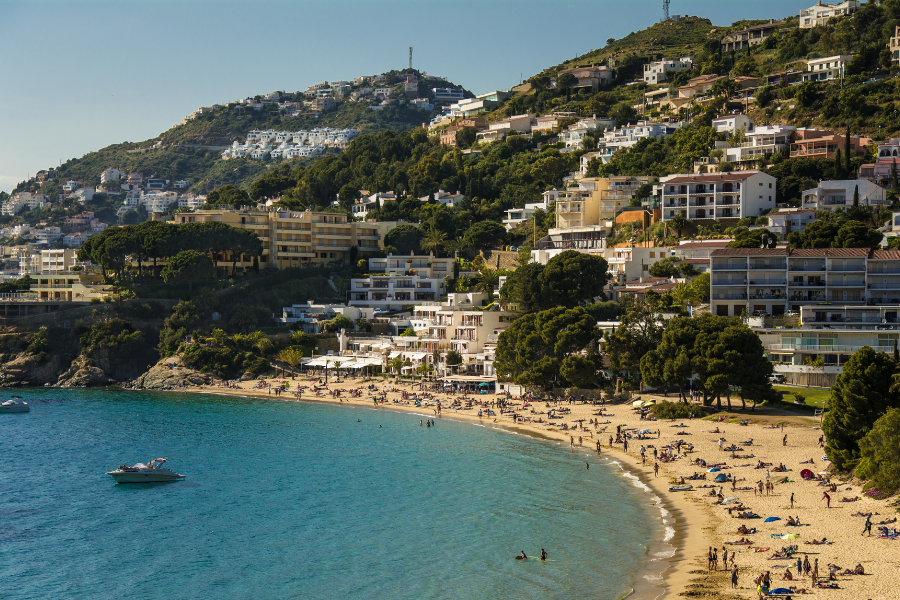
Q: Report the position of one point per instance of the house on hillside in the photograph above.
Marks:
(717, 196)
(655, 72)
(751, 36)
(593, 76)
(825, 69)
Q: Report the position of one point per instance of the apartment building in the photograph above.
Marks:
(292, 238)
(751, 36)
(655, 72)
(498, 130)
(447, 94)
(628, 263)
(825, 69)
(111, 175)
(717, 195)
(580, 206)
(894, 46)
(731, 123)
(823, 143)
(881, 171)
(829, 195)
(593, 76)
(21, 200)
(517, 216)
(396, 282)
(778, 280)
(761, 142)
(310, 317)
(820, 13)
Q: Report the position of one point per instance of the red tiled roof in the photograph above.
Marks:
(751, 252)
(829, 252)
(695, 261)
(712, 177)
(886, 255)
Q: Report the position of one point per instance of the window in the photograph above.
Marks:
(770, 186)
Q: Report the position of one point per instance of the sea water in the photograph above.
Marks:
(304, 500)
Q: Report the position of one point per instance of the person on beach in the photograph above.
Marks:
(625, 444)
(724, 558)
(715, 560)
(867, 526)
(610, 441)
(814, 574)
(806, 567)
(826, 498)
(656, 469)
(784, 440)
(734, 575)
(761, 588)
(709, 559)
(792, 499)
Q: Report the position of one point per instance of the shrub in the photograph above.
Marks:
(674, 410)
(799, 398)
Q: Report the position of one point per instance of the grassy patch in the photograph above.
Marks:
(814, 396)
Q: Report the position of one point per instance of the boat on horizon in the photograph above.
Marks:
(152, 472)
(14, 405)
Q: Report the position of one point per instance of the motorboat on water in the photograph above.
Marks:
(152, 472)
(14, 405)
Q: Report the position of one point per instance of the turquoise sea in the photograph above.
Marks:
(301, 500)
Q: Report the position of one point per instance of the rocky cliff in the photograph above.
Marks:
(168, 374)
(25, 368)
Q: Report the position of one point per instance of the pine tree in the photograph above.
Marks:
(856, 195)
(895, 177)
(838, 164)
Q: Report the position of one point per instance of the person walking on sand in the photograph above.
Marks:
(709, 559)
(724, 558)
(656, 469)
(806, 567)
(827, 500)
(734, 575)
(792, 499)
(784, 439)
(572, 441)
(814, 575)
(867, 526)
(715, 560)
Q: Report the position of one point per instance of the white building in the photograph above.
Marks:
(761, 142)
(786, 220)
(310, 317)
(111, 175)
(22, 200)
(515, 216)
(630, 263)
(829, 195)
(730, 123)
(717, 195)
(655, 72)
(395, 282)
(820, 13)
(824, 69)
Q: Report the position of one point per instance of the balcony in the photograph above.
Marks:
(807, 268)
(729, 297)
(733, 282)
(883, 270)
(767, 266)
(729, 266)
(847, 268)
(828, 348)
(768, 281)
(756, 296)
(846, 284)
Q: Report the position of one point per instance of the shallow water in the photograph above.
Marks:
(299, 500)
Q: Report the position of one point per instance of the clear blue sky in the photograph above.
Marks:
(76, 76)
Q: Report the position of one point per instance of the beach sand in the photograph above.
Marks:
(698, 521)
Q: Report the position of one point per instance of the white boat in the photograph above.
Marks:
(152, 472)
(14, 406)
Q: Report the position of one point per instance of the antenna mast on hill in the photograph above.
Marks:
(666, 9)
(410, 58)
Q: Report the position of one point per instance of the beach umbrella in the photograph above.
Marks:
(637, 402)
(770, 519)
(790, 536)
(781, 592)
(806, 474)
(731, 499)
(714, 470)
(649, 402)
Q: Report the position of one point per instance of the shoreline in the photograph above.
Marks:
(688, 539)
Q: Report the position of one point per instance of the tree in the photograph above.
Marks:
(532, 350)
(433, 240)
(405, 238)
(856, 195)
(453, 359)
(701, 287)
(290, 357)
(486, 281)
(879, 453)
(860, 396)
(764, 96)
(667, 267)
(486, 234)
(465, 137)
(339, 322)
(757, 238)
(805, 94)
(566, 82)
(190, 266)
(523, 287)
(348, 196)
(678, 222)
(582, 371)
(243, 242)
(227, 195)
(572, 279)
(640, 332)
(684, 294)
(854, 234)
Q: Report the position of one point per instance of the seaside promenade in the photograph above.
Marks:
(700, 522)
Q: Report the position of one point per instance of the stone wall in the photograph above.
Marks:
(500, 259)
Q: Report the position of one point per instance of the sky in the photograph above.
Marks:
(77, 76)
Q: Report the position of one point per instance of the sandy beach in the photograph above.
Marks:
(699, 521)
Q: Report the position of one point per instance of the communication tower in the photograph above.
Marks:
(410, 58)
(666, 9)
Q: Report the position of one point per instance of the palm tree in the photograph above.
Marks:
(433, 240)
(486, 281)
(284, 357)
(684, 294)
(292, 357)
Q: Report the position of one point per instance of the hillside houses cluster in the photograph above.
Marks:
(290, 144)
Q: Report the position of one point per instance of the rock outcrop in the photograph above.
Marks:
(84, 373)
(168, 374)
(27, 369)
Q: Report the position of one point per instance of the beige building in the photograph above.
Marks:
(580, 207)
(293, 238)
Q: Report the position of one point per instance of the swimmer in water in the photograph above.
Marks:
(522, 556)
(543, 554)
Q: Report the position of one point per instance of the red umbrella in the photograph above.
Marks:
(806, 474)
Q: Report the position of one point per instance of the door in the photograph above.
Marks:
(722, 310)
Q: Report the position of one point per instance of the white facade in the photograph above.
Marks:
(820, 13)
(829, 195)
(732, 123)
(400, 281)
(628, 264)
(824, 69)
(784, 221)
(761, 142)
(655, 72)
(111, 175)
(717, 195)
(290, 144)
(515, 216)
(310, 317)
